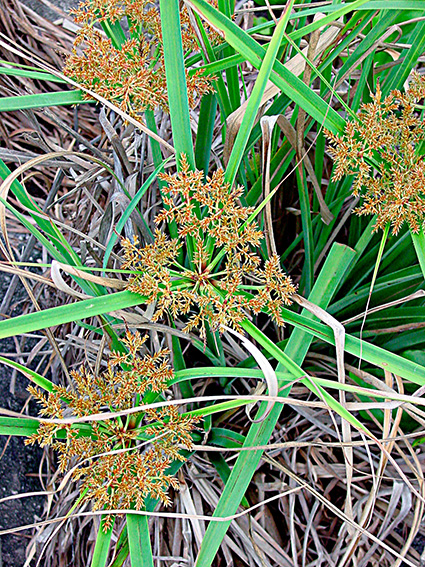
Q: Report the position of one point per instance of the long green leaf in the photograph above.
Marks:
(30, 374)
(373, 354)
(255, 98)
(68, 313)
(259, 433)
(204, 135)
(176, 79)
(232, 78)
(36, 75)
(103, 543)
(368, 5)
(139, 541)
(419, 244)
(23, 102)
(18, 426)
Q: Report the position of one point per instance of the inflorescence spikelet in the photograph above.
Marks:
(223, 239)
(121, 460)
(131, 75)
(382, 149)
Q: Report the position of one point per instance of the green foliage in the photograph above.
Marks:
(206, 262)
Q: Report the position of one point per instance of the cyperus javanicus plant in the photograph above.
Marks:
(123, 459)
(382, 150)
(223, 239)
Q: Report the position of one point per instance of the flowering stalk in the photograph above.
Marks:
(209, 291)
(116, 469)
(130, 72)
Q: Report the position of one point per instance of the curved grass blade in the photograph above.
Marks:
(256, 96)
(43, 100)
(409, 57)
(259, 433)
(176, 80)
(33, 376)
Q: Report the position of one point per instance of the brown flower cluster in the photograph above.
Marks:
(220, 243)
(381, 151)
(131, 75)
(123, 459)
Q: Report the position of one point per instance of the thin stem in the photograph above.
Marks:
(419, 244)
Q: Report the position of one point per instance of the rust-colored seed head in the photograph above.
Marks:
(380, 150)
(116, 471)
(133, 74)
(207, 211)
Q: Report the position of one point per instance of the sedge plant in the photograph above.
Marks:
(207, 268)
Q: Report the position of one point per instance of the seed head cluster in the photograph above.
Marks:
(382, 150)
(222, 240)
(122, 460)
(131, 75)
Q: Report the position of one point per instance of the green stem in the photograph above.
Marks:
(419, 244)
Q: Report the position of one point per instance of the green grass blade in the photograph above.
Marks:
(43, 100)
(219, 65)
(68, 313)
(419, 244)
(254, 100)
(101, 549)
(115, 32)
(291, 85)
(157, 161)
(18, 426)
(36, 75)
(368, 352)
(122, 554)
(210, 55)
(306, 223)
(176, 79)
(139, 541)
(232, 77)
(180, 365)
(367, 5)
(65, 251)
(409, 58)
(339, 12)
(376, 32)
(259, 433)
(204, 136)
(38, 379)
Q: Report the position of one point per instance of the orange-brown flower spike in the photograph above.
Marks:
(380, 150)
(133, 74)
(115, 471)
(210, 292)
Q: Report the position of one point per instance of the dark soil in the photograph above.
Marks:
(18, 464)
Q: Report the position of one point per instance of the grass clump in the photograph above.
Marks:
(235, 278)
